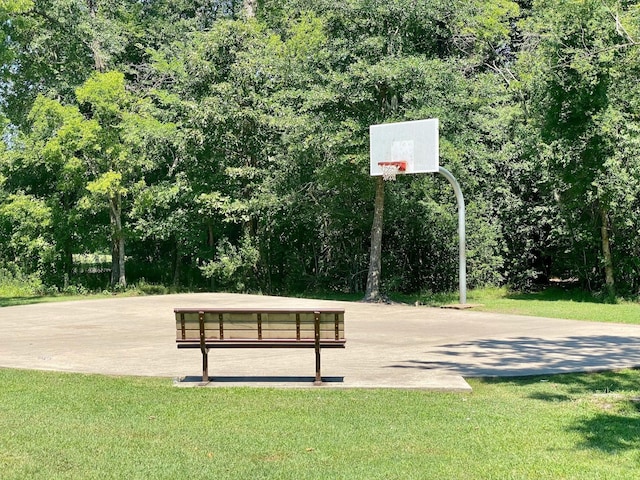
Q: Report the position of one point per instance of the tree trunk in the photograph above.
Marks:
(249, 7)
(117, 242)
(67, 261)
(372, 293)
(98, 59)
(115, 265)
(606, 252)
(177, 257)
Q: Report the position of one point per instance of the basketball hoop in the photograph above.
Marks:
(391, 169)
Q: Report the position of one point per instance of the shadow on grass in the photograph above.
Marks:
(580, 383)
(614, 426)
(550, 397)
(559, 294)
(609, 433)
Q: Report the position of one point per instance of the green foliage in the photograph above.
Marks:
(234, 268)
(151, 289)
(205, 139)
(16, 285)
(581, 76)
(25, 234)
(105, 94)
(108, 184)
(53, 46)
(15, 6)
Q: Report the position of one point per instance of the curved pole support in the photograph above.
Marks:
(462, 273)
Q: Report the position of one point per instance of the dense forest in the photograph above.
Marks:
(224, 144)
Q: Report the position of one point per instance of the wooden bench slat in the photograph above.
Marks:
(254, 326)
(244, 343)
(194, 335)
(306, 317)
(265, 327)
(256, 310)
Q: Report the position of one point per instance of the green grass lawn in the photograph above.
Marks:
(9, 301)
(71, 426)
(552, 302)
(559, 303)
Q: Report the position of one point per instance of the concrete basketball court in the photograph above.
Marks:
(388, 346)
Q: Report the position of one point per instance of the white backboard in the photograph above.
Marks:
(416, 143)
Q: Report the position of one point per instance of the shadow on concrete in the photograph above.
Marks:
(525, 356)
(257, 379)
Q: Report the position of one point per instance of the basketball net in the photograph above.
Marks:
(389, 172)
(391, 169)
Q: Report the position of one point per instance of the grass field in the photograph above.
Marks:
(70, 426)
(553, 302)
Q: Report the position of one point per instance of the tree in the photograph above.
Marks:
(414, 72)
(52, 46)
(229, 139)
(119, 159)
(162, 214)
(579, 68)
(77, 158)
(24, 234)
(46, 163)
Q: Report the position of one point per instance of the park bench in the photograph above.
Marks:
(207, 328)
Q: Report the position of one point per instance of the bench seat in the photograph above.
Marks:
(207, 328)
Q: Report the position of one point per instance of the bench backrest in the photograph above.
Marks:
(258, 324)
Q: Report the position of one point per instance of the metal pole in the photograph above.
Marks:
(462, 278)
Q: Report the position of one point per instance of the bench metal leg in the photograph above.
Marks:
(205, 365)
(203, 347)
(318, 380)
